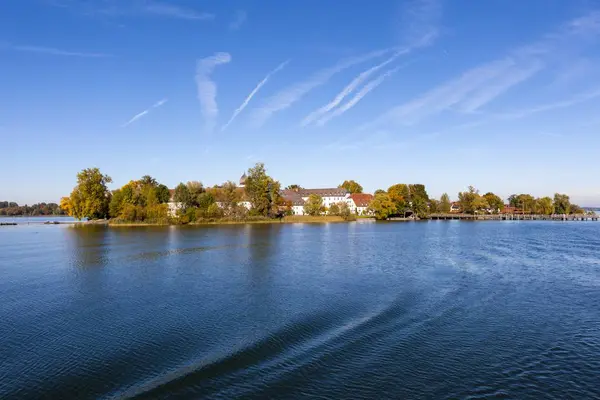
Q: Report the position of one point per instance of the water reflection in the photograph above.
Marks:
(88, 245)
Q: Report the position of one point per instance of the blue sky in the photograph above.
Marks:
(502, 95)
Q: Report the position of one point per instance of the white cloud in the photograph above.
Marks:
(173, 11)
(58, 52)
(355, 83)
(238, 20)
(254, 91)
(145, 112)
(288, 96)
(502, 83)
(207, 89)
(118, 8)
(479, 86)
(577, 99)
(358, 97)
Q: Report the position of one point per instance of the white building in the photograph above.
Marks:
(172, 204)
(330, 196)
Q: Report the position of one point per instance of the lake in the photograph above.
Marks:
(438, 310)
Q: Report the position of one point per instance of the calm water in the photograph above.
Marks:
(363, 310)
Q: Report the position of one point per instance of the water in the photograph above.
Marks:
(362, 310)
(40, 219)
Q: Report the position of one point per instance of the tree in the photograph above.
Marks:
(116, 203)
(65, 205)
(147, 180)
(294, 187)
(334, 209)
(526, 202)
(352, 186)
(182, 196)
(163, 194)
(445, 204)
(513, 200)
(205, 200)
(575, 209)
(494, 202)
(400, 195)
(434, 206)
(313, 205)
(229, 196)
(90, 198)
(262, 191)
(418, 191)
(544, 206)
(382, 206)
(470, 201)
(379, 191)
(345, 212)
(562, 204)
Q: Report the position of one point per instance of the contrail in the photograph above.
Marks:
(256, 89)
(140, 115)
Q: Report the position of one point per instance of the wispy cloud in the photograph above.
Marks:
(507, 79)
(419, 21)
(479, 86)
(254, 91)
(355, 83)
(238, 20)
(58, 52)
(357, 97)
(207, 89)
(173, 11)
(145, 112)
(577, 99)
(288, 96)
(116, 8)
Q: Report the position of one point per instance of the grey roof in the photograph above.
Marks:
(327, 192)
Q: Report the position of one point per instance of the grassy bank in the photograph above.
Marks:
(293, 219)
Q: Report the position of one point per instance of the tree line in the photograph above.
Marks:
(145, 200)
(10, 208)
(403, 199)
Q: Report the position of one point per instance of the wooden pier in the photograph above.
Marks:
(516, 217)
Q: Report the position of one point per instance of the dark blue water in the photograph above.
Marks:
(361, 310)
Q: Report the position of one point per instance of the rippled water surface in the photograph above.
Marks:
(362, 310)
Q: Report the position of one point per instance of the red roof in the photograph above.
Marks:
(361, 199)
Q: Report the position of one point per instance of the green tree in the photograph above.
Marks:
(434, 206)
(90, 198)
(334, 209)
(352, 186)
(526, 202)
(494, 202)
(418, 191)
(345, 212)
(182, 196)
(313, 205)
(205, 200)
(562, 204)
(116, 203)
(544, 206)
(163, 194)
(382, 206)
(294, 187)
(445, 204)
(262, 191)
(379, 191)
(229, 196)
(147, 180)
(469, 200)
(575, 209)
